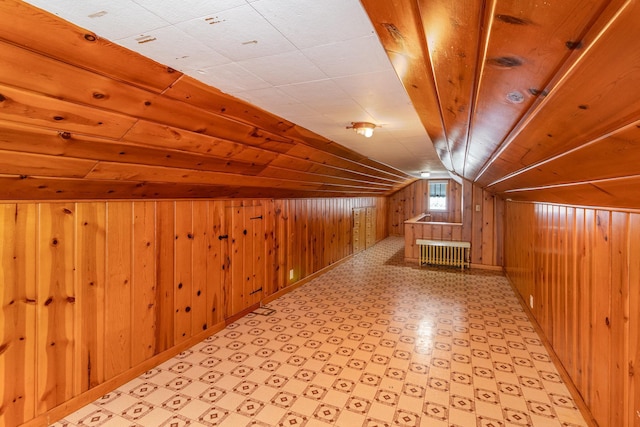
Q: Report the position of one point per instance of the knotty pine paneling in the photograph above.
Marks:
(309, 244)
(581, 267)
(95, 289)
(413, 200)
(479, 212)
(149, 131)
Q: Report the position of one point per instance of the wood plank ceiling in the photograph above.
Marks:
(535, 100)
(82, 118)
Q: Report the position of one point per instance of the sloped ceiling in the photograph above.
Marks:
(532, 100)
(154, 131)
(535, 100)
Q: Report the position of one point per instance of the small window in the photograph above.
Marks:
(438, 196)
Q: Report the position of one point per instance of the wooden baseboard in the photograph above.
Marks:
(573, 390)
(304, 280)
(100, 390)
(487, 267)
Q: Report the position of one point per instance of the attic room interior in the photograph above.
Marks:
(195, 229)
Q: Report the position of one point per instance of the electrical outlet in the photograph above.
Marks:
(531, 301)
(291, 274)
(477, 208)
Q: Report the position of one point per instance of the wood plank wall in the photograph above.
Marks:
(413, 200)
(480, 212)
(92, 289)
(581, 267)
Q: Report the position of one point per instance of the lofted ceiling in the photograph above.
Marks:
(534, 100)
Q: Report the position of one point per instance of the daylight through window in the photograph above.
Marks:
(438, 196)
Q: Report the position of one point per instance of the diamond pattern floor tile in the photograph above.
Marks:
(373, 342)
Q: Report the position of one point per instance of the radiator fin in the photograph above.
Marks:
(442, 252)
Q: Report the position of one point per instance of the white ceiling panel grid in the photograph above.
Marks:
(316, 63)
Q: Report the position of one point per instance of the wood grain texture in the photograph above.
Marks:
(477, 216)
(92, 284)
(582, 279)
(18, 364)
(144, 282)
(413, 200)
(118, 290)
(93, 288)
(56, 306)
(149, 127)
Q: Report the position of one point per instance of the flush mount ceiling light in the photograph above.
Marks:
(363, 128)
(425, 174)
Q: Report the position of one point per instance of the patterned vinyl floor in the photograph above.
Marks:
(373, 342)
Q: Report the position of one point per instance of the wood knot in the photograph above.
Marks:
(90, 37)
(71, 299)
(2, 98)
(513, 20)
(58, 118)
(98, 95)
(64, 135)
(573, 45)
(506, 61)
(48, 301)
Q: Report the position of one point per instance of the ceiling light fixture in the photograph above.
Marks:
(425, 174)
(363, 128)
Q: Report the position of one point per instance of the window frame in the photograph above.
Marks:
(446, 196)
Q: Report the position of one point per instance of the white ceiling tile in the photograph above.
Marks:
(320, 93)
(284, 68)
(112, 20)
(311, 23)
(231, 78)
(239, 33)
(348, 112)
(349, 57)
(293, 111)
(320, 124)
(250, 49)
(374, 89)
(266, 96)
(174, 11)
(173, 47)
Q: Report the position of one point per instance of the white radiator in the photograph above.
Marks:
(443, 252)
